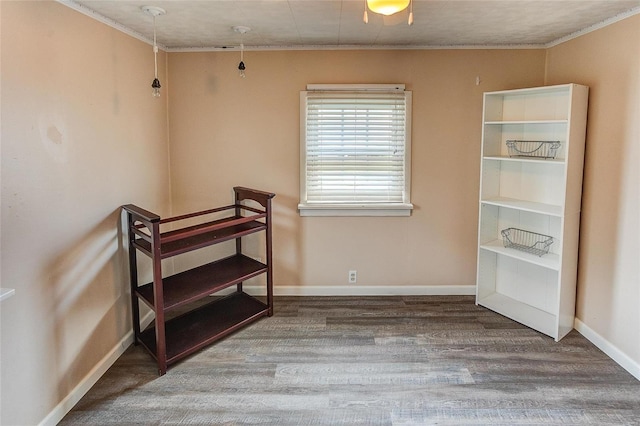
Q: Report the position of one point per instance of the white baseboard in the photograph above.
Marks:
(346, 290)
(608, 348)
(76, 394)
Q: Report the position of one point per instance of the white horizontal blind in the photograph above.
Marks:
(355, 147)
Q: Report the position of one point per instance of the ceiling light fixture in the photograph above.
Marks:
(387, 7)
(154, 11)
(242, 30)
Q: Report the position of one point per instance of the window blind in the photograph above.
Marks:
(355, 147)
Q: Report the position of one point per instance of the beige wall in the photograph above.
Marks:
(228, 131)
(81, 135)
(608, 60)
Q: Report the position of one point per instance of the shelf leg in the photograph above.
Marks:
(238, 241)
(158, 300)
(269, 259)
(133, 281)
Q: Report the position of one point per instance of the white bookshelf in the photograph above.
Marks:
(540, 195)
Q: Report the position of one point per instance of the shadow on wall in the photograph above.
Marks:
(91, 309)
(288, 238)
(600, 233)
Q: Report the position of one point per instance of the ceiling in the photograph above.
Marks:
(338, 24)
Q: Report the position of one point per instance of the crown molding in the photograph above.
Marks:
(594, 27)
(110, 22)
(359, 47)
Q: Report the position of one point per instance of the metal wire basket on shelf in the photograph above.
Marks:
(534, 149)
(529, 242)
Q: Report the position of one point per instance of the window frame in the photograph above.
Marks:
(403, 208)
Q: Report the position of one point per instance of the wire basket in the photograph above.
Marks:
(529, 242)
(534, 149)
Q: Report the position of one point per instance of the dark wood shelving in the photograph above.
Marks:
(173, 339)
(198, 241)
(191, 285)
(196, 329)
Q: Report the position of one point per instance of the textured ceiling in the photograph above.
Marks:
(298, 24)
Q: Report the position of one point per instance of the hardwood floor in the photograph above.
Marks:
(372, 361)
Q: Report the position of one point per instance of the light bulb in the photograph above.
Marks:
(154, 11)
(387, 7)
(241, 68)
(155, 88)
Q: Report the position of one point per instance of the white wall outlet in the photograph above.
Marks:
(353, 277)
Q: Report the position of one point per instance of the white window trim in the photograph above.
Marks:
(355, 209)
(387, 209)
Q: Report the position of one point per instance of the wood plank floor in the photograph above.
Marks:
(372, 361)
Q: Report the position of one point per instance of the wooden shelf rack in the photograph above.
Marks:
(171, 339)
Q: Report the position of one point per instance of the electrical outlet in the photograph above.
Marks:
(353, 277)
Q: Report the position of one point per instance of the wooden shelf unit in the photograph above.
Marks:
(540, 195)
(169, 340)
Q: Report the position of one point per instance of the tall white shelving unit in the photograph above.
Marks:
(534, 194)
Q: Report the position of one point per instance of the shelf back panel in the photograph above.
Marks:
(549, 104)
(541, 183)
(527, 283)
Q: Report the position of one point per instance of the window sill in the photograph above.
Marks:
(399, 209)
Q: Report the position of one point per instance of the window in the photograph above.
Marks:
(355, 150)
